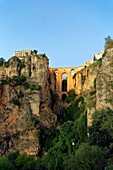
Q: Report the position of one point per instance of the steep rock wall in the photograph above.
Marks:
(104, 82)
(85, 84)
(84, 79)
(23, 102)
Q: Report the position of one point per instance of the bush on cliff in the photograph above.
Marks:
(108, 43)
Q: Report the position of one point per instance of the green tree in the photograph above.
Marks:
(12, 157)
(85, 158)
(108, 43)
(71, 95)
(24, 162)
(6, 164)
(82, 128)
(34, 52)
(107, 39)
(101, 131)
(2, 61)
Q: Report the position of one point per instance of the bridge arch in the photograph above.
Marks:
(72, 71)
(69, 82)
(56, 72)
(64, 82)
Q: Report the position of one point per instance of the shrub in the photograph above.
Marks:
(6, 64)
(12, 156)
(38, 87)
(109, 44)
(15, 101)
(19, 79)
(6, 164)
(4, 81)
(26, 85)
(92, 92)
(35, 87)
(99, 62)
(2, 60)
(71, 96)
(22, 64)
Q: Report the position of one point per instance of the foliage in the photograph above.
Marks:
(16, 80)
(34, 122)
(26, 85)
(15, 101)
(6, 164)
(35, 87)
(68, 147)
(46, 138)
(12, 156)
(31, 86)
(101, 132)
(4, 81)
(71, 96)
(85, 158)
(107, 39)
(22, 64)
(82, 128)
(92, 92)
(34, 52)
(28, 162)
(108, 43)
(2, 60)
(97, 63)
(73, 111)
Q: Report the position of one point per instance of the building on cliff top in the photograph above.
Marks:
(22, 52)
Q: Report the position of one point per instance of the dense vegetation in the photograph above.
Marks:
(71, 146)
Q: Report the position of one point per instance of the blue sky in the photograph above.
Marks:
(70, 32)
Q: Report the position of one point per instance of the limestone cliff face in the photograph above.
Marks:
(85, 85)
(84, 79)
(104, 82)
(17, 132)
(25, 103)
(100, 96)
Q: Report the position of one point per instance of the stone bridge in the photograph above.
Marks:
(64, 79)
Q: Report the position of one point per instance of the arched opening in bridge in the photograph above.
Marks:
(64, 96)
(64, 82)
(72, 71)
(56, 72)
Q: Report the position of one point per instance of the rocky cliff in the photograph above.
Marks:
(84, 79)
(95, 83)
(85, 85)
(27, 90)
(104, 82)
(25, 103)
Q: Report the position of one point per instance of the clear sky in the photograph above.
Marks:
(70, 32)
